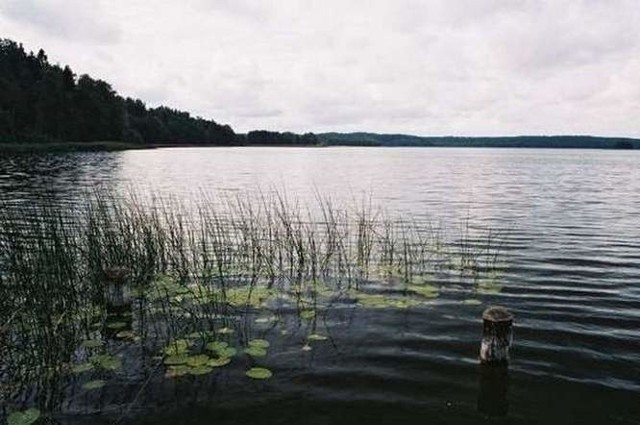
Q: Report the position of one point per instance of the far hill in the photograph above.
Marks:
(584, 142)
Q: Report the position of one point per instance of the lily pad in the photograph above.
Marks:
(254, 351)
(176, 371)
(200, 370)
(200, 335)
(472, 301)
(92, 343)
(94, 385)
(199, 360)
(178, 359)
(317, 337)
(116, 325)
(427, 291)
(226, 331)
(26, 417)
(179, 346)
(227, 352)
(82, 368)
(222, 361)
(126, 335)
(260, 343)
(307, 314)
(259, 373)
(106, 361)
(215, 346)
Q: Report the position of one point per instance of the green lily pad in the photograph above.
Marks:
(260, 343)
(106, 361)
(116, 325)
(200, 335)
(471, 301)
(94, 385)
(307, 314)
(82, 368)
(179, 346)
(427, 291)
(27, 417)
(126, 335)
(176, 371)
(199, 360)
(92, 343)
(222, 361)
(227, 352)
(254, 351)
(259, 373)
(215, 346)
(200, 370)
(317, 337)
(178, 359)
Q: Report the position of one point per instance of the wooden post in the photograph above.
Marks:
(497, 334)
(116, 291)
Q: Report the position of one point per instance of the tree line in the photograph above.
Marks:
(566, 142)
(43, 102)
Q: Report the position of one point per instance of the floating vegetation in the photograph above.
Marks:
(259, 343)
(199, 360)
(116, 325)
(176, 359)
(26, 417)
(180, 346)
(82, 368)
(92, 343)
(177, 371)
(217, 346)
(259, 373)
(106, 361)
(472, 301)
(317, 337)
(427, 291)
(200, 370)
(94, 385)
(222, 361)
(254, 351)
(184, 290)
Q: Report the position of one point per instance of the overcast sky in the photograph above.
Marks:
(427, 67)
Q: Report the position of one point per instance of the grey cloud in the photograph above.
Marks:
(77, 21)
(484, 67)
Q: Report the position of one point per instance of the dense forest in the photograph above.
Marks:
(373, 139)
(42, 102)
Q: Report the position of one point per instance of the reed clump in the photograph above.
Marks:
(186, 275)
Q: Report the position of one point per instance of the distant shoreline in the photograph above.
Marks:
(46, 147)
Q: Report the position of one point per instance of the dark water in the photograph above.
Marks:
(571, 222)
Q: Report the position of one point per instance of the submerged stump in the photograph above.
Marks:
(116, 289)
(497, 335)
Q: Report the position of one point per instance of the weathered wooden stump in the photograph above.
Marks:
(116, 288)
(118, 301)
(497, 335)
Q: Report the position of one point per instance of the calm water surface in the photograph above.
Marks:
(570, 222)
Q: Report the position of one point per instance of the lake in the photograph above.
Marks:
(567, 226)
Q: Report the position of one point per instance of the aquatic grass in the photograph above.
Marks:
(183, 281)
